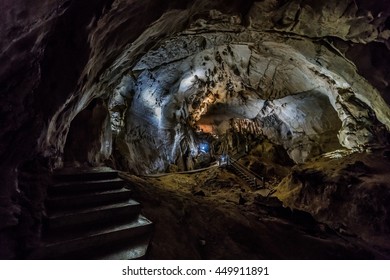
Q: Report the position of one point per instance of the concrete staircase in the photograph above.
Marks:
(253, 180)
(90, 215)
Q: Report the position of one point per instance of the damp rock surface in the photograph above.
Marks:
(189, 226)
(141, 85)
(350, 193)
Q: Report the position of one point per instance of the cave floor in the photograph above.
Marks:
(214, 215)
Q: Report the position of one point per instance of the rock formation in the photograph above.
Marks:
(131, 83)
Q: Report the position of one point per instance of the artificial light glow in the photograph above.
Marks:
(204, 147)
(206, 128)
(223, 160)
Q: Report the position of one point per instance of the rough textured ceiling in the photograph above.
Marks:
(59, 55)
(310, 76)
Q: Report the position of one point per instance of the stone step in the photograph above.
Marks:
(132, 249)
(249, 180)
(91, 216)
(102, 214)
(78, 187)
(85, 174)
(64, 202)
(94, 240)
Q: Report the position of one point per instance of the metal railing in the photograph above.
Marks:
(253, 179)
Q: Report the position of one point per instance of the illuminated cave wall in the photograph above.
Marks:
(292, 99)
(167, 76)
(309, 75)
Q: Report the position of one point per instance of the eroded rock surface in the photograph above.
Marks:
(350, 193)
(309, 77)
(205, 76)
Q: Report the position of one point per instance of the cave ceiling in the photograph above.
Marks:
(308, 75)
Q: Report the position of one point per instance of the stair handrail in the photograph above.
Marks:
(246, 170)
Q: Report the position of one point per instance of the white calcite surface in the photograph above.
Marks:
(309, 107)
(190, 62)
(310, 76)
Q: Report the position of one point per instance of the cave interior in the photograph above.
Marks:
(245, 129)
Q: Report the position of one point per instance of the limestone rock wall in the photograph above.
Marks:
(349, 193)
(250, 50)
(57, 56)
(200, 78)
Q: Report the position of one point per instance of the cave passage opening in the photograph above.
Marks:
(223, 95)
(147, 89)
